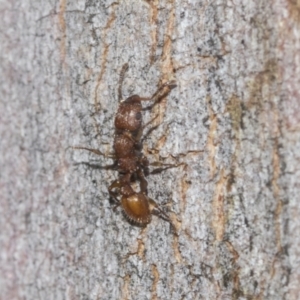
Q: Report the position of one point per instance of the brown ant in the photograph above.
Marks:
(130, 162)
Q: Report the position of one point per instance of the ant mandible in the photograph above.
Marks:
(130, 162)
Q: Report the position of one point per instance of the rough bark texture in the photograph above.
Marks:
(234, 120)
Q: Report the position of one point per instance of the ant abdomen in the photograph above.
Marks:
(136, 208)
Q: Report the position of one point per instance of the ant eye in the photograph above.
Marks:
(138, 116)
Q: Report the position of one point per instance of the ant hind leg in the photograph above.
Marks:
(156, 210)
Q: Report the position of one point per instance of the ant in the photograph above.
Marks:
(130, 162)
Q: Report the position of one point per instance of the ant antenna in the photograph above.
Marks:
(121, 79)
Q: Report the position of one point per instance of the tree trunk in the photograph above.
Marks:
(233, 120)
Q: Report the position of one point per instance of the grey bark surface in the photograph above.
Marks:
(233, 120)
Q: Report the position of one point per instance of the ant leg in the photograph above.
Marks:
(95, 166)
(96, 151)
(163, 167)
(143, 182)
(153, 119)
(122, 183)
(114, 195)
(139, 138)
(121, 79)
(149, 131)
(156, 210)
(144, 167)
(158, 95)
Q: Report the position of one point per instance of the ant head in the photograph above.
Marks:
(129, 115)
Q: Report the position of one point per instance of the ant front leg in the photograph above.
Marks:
(139, 135)
(159, 94)
(149, 131)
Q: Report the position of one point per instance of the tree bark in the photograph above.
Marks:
(233, 120)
